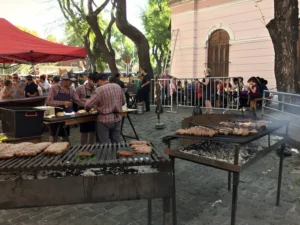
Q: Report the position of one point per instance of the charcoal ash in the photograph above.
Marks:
(222, 151)
(5, 176)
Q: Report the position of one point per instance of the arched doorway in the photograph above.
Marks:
(218, 53)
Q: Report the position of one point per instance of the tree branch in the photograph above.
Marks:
(108, 31)
(100, 8)
(77, 7)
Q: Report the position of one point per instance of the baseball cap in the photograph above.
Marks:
(67, 76)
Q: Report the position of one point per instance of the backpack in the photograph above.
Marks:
(197, 110)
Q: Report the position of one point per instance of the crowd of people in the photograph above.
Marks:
(14, 87)
(107, 95)
(211, 91)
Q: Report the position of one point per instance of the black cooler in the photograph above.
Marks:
(22, 122)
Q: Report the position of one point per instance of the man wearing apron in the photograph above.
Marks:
(109, 98)
(62, 95)
(87, 130)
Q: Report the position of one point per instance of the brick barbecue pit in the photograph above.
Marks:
(46, 180)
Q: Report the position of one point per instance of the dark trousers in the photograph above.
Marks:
(165, 96)
(144, 96)
(108, 132)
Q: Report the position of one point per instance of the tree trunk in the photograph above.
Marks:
(283, 30)
(134, 35)
(159, 69)
(91, 65)
(109, 58)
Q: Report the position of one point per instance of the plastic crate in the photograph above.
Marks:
(21, 122)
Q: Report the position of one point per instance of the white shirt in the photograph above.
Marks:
(46, 86)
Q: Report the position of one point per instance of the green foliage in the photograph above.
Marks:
(123, 46)
(51, 38)
(156, 20)
(33, 32)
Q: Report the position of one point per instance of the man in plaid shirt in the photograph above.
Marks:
(63, 95)
(109, 99)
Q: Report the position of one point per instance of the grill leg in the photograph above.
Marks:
(167, 211)
(174, 213)
(229, 181)
(269, 140)
(136, 136)
(122, 123)
(149, 212)
(56, 133)
(66, 133)
(280, 174)
(234, 197)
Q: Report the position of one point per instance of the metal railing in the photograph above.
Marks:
(281, 105)
(190, 92)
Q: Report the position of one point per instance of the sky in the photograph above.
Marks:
(45, 17)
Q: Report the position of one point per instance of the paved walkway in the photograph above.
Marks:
(202, 197)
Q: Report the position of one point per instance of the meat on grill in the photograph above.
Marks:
(197, 131)
(143, 150)
(228, 124)
(241, 131)
(10, 151)
(85, 154)
(4, 146)
(57, 148)
(141, 147)
(125, 153)
(33, 150)
(225, 130)
(259, 125)
(139, 143)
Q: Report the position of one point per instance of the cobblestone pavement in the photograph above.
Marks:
(202, 197)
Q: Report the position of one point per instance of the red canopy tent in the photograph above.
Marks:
(17, 46)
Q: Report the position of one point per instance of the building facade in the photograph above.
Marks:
(228, 36)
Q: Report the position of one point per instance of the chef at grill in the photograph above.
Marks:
(62, 95)
(87, 130)
(109, 99)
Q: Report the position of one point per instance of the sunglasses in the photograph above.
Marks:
(15, 78)
(29, 79)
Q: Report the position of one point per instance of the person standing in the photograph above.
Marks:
(44, 85)
(56, 81)
(18, 86)
(7, 92)
(88, 129)
(207, 91)
(31, 88)
(109, 99)
(143, 93)
(62, 95)
(165, 83)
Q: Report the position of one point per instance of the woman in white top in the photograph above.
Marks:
(7, 92)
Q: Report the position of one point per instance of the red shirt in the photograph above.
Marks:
(199, 90)
(108, 98)
(254, 94)
(82, 91)
(222, 85)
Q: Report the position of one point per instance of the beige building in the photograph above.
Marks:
(228, 36)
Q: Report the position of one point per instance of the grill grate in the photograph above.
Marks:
(105, 156)
(231, 138)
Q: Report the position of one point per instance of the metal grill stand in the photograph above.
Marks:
(234, 168)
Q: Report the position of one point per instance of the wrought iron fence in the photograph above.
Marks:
(221, 92)
(281, 105)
